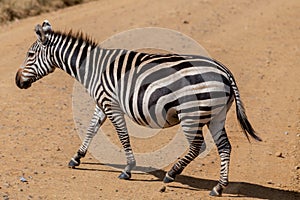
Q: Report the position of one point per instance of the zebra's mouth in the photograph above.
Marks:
(25, 84)
(21, 83)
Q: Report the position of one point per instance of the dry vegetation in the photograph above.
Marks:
(17, 9)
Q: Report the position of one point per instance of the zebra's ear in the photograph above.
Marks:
(40, 34)
(47, 28)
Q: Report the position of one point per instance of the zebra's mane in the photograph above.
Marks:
(78, 35)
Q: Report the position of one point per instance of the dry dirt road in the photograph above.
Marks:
(258, 40)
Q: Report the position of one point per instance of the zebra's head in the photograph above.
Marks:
(38, 62)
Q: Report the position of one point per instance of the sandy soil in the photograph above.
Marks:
(259, 42)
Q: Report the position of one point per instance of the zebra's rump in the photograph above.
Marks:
(157, 90)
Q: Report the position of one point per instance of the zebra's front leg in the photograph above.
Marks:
(95, 123)
(117, 118)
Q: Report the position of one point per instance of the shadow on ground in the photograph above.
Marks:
(236, 189)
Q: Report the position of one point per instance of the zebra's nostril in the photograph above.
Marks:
(26, 84)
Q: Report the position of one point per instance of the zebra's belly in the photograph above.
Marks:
(170, 113)
(163, 119)
(168, 110)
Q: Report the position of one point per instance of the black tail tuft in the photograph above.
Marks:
(244, 122)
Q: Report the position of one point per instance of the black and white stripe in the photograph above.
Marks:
(156, 91)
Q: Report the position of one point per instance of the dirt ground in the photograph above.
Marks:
(258, 40)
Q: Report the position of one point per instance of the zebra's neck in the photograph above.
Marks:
(82, 59)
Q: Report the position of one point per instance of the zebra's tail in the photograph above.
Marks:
(240, 109)
(241, 113)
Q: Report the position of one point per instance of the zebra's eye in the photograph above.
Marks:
(30, 54)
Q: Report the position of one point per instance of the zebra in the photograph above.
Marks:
(154, 90)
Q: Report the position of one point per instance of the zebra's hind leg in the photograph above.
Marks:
(218, 132)
(95, 123)
(195, 139)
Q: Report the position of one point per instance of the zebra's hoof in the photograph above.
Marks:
(125, 175)
(168, 179)
(216, 192)
(73, 163)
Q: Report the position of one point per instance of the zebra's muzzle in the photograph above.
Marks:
(20, 82)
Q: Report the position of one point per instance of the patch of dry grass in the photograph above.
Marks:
(17, 9)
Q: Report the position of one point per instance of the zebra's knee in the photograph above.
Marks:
(224, 147)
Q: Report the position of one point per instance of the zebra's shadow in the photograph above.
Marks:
(235, 189)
